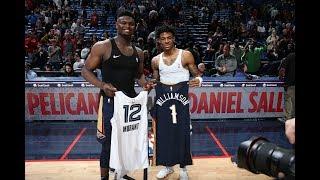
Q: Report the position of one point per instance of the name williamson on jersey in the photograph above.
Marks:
(176, 96)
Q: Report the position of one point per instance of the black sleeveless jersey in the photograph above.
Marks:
(121, 70)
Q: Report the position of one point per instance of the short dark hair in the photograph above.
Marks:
(125, 13)
(165, 28)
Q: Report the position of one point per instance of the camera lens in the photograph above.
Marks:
(258, 155)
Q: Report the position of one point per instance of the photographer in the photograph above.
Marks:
(290, 130)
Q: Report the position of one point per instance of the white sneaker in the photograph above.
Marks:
(164, 172)
(183, 174)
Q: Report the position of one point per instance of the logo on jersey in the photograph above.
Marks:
(115, 57)
(100, 135)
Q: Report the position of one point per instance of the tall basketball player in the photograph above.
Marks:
(171, 110)
(121, 64)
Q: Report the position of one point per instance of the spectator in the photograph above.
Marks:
(48, 67)
(202, 70)
(194, 53)
(94, 20)
(85, 51)
(272, 40)
(236, 51)
(226, 64)
(78, 27)
(219, 52)
(141, 44)
(31, 43)
(105, 35)
(49, 71)
(68, 44)
(69, 59)
(68, 71)
(29, 74)
(55, 54)
(40, 58)
(252, 57)
(56, 31)
(79, 63)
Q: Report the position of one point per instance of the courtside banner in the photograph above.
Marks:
(79, 100)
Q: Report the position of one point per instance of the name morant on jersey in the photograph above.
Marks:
(130, 127)
(168, 96)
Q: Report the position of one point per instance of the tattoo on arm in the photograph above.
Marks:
(194, 70)
(155, 69)
(140, 69)
(156, 75)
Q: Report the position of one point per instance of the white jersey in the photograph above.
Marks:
(129, 138)
(174, 73)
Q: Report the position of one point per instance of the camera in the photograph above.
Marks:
(258, 155)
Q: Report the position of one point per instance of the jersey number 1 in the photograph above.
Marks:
(130, 112)
(173, 114)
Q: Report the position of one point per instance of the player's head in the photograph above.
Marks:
(125, 23)
(165, 35)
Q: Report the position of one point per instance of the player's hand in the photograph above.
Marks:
(150, 85)
(194, 82)
(109, 89)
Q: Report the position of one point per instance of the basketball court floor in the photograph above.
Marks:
(69, 150)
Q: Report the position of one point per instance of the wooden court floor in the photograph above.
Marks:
(202, 169)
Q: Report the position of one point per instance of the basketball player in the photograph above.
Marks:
(121, 64)
(171, 110)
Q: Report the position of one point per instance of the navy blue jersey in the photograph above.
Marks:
(173, 124)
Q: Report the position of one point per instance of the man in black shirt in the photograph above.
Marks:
(121, 64)
(288, 71)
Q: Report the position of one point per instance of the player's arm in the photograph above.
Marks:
(188, 61)
(147, 85)
(94, 61)
(155, 68)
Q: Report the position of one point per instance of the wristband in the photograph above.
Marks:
(200, 79)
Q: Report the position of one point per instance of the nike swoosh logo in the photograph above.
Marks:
(114, 56)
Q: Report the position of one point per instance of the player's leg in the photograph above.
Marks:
(105, 154)
(107, 111)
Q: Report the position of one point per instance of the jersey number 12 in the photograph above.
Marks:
(131, 111)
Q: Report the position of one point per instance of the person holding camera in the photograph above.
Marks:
(290, 130)
(287, 73)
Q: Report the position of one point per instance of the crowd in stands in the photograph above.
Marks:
(225, 37)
